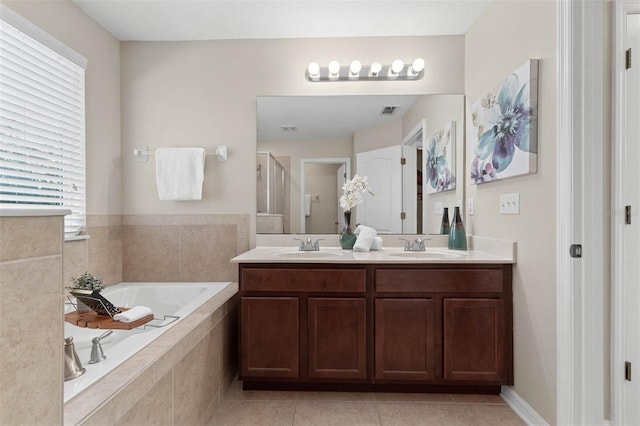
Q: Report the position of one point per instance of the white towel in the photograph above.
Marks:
(366, 236)
(377, 243)
(307, 205)
(133, 314)
(180, 173)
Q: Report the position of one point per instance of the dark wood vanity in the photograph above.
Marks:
(430, 327)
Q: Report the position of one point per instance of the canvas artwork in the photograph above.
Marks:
(441, 159)
(503, 128)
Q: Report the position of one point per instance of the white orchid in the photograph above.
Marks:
(352, 192)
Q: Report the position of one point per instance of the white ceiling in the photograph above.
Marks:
(325, 117)
(173, 20)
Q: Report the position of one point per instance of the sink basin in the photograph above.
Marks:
(310, 254)
(430, 254)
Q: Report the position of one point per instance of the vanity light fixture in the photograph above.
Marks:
(356, 71)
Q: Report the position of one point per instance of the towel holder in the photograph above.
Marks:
(143, 154)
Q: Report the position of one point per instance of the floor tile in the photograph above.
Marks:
(414, 414)
(478, 399)
(335, 396)
(499, 415)
(316, 413)
(251, 413)
(235, 393)
(414, 397)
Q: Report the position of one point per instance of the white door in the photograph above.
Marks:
(411, 142)
(382, 168)
(627, 234)
(342, 178)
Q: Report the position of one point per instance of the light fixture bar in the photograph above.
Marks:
(356, 71)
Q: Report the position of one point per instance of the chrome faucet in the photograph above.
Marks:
(96, 349)
(308, 245)
(416, 245)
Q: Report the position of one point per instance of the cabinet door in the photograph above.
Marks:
(474, 340)
(269, 337)
(404, 333)
(337, 338)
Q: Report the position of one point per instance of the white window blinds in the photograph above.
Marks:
(42, 127)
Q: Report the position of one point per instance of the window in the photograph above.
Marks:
(42, 121)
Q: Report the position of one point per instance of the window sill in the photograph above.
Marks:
(79, 237)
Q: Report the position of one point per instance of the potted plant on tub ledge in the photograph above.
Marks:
(86, 288)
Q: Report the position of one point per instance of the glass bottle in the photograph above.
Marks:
(444, 227)
(457, 235)
(347, 237)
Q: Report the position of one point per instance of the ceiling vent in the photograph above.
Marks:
(389, 110)
(289, 127)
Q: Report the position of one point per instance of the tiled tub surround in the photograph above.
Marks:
(177, 379)
(31, 366)
(182, 247)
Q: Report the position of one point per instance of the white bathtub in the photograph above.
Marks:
(177, 299)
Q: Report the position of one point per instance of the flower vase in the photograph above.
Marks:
(347, 237)
(457, 235)
(444, 226)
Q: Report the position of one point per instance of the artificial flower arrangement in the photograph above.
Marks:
(352, 191)
(86, 281)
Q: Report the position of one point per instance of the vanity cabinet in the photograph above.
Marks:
(302, 324)
(429, 327)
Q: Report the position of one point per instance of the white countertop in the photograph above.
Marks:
(386, 255)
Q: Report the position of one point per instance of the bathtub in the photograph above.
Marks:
(176, 299)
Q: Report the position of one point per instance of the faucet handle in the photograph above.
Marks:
(316, 245)
(407, 244)
(301, 243)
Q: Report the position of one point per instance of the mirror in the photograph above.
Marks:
(308, 144)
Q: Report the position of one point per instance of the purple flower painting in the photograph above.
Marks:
(504, 140)
(440, 160)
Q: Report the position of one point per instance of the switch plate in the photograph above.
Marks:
(470, 206)
(437, 207)
(510, 203)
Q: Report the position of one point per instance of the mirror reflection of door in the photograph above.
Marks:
(341, 178)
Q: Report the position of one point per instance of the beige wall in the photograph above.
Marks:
(381, 136)
(322, 180)
(204, 94)
(505, 36)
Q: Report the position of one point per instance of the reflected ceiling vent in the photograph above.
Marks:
(389, 110)
(288, 127)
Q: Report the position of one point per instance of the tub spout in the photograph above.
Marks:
(97, 355)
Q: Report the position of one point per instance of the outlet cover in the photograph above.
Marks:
(470, 206)
(510, 203)
(437, 207)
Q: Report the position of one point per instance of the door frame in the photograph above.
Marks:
(410, 145)
(621, 10)
(579, 213)
(342, 160)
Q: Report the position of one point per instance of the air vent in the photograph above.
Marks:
(289, 127)
(389, 109)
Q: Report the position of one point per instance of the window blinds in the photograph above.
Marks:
(42, 127)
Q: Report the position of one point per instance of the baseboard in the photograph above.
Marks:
(521, 408)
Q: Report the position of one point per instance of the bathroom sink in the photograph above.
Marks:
(296, 254)
(430, 254)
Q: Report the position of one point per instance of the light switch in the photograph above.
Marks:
(510, 203)
(437, 207)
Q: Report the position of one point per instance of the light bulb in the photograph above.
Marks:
(314, 70)
(334, 69)
(417, 66)
(397, 66)
(355, 67)
(375, 69)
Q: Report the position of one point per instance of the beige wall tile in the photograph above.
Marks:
(75, 263)
(24, 237)
(155, 408)
(196, 379)
(203, 248)
(150, 253)
(104, 220)
(105, 253)
(31, 368)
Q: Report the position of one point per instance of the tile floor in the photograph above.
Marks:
(266, 408)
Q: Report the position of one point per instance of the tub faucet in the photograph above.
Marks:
(97, 355)
(308, 245)
(416, 245)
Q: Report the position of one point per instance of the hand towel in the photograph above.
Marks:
(366, 236)
(377, 243)
(133, 314)
(307, 205)
(180, 173)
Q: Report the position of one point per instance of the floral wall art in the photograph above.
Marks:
(440, 160)
(503, 130)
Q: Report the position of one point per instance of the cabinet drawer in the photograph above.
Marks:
(303, 280)
(438, 280)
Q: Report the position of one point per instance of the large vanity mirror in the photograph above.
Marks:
(411, 148)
